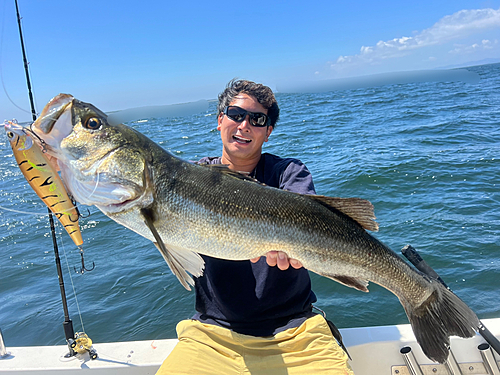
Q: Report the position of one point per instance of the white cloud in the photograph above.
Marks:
(459, 25)
(485, 44)
(488, 44)
(452, 27)
(366, 50)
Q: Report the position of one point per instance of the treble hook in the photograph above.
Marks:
(78, 213)
(83, 216)
(83, 268)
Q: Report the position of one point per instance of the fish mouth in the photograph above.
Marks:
(241, 140)
(53, 125)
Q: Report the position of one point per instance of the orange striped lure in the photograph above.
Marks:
(43, 179)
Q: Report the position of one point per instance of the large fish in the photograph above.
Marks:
(186, 209)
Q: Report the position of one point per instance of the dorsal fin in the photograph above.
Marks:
(360, 210)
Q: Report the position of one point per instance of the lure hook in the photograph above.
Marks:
(83, 268)
(79, 215)
(31, 133)
(84, 216)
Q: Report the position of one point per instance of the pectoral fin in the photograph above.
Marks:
(179, 260)
(178, 265)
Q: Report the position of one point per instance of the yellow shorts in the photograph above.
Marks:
(205, 349)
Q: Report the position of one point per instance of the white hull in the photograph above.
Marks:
(374, 350)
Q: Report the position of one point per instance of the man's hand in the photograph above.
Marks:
(280, 259)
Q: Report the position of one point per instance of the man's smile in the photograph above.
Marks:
(240, 139)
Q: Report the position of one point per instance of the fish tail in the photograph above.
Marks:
(440, 316)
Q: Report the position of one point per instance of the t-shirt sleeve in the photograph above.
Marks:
(297, 178)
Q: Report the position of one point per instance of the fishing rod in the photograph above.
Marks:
(81, 340)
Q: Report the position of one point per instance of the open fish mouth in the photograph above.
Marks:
(55, 122)
(88, 171)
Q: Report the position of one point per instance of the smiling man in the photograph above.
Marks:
(243, 135)
(255, 316)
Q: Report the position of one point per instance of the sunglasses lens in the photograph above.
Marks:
(238, 114)
(259, 119)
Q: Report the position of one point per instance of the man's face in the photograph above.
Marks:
(242, 140)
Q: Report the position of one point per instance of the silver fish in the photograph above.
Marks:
(187, 210)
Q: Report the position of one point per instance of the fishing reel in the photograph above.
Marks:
(81, 344)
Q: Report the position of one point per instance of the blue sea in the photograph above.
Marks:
(427, 155)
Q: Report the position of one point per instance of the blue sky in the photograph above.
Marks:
(122, 54)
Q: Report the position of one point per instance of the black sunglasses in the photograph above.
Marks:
(239, 114)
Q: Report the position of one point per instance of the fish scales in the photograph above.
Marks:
(233, 223)
(282, 222)
(187, 210)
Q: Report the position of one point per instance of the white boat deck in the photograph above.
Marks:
(374, 350)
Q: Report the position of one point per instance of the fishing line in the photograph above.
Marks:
(95, 187)
(67, 324)
(61, 239)
(1, 59)
(72, 283)
(24, 212)
(36, 213)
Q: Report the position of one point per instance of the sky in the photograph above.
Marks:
(123, 54)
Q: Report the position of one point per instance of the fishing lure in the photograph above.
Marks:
(43, 179)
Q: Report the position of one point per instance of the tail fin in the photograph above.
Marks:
(442, 315)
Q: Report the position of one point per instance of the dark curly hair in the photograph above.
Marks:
(263, 94)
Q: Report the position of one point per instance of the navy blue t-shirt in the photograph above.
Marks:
(253, 298)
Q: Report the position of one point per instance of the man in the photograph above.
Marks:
(255, 316)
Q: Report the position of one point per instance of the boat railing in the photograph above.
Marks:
(3, 349)
(451, 366)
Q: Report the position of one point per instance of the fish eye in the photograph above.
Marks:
(93, 123)
(10, 134)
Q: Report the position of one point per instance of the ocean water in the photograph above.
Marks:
(427, 155)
